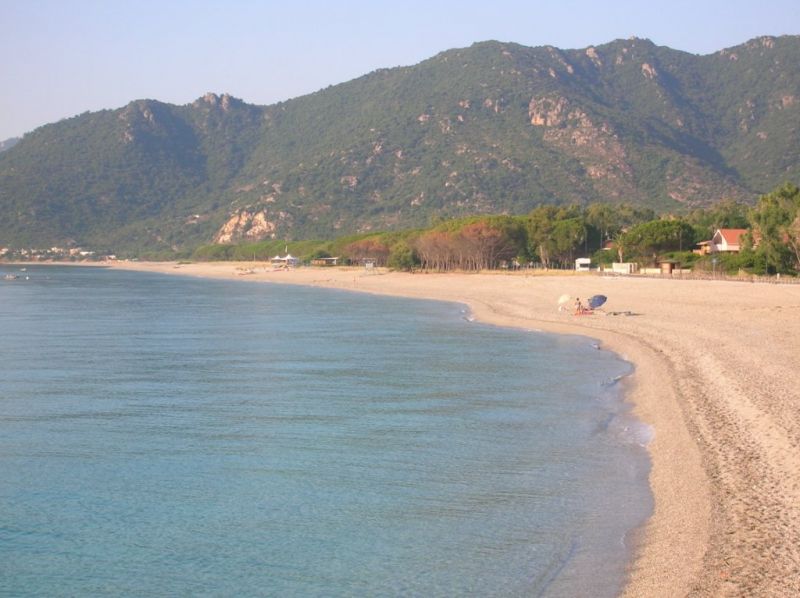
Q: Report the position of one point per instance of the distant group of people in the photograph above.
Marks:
(580, 308)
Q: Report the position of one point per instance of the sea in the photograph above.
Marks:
(164, 435)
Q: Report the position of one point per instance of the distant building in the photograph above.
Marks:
(624, 268)
(583, 264)
(726, 240)
(667, 266)
(286, 261)
(325, 261)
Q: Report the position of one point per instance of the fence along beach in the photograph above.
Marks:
(715, 377)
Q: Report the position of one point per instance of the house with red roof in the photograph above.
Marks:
(727, 239)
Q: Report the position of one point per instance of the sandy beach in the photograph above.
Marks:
(716, 377)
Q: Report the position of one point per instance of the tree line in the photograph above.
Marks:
(552, 237)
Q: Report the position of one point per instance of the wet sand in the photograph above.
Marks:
(716, 376)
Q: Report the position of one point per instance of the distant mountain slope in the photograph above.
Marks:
(8, 143)
(496, 127)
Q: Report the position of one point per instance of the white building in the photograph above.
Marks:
(286, 261)
(727, 239)
(583, 264)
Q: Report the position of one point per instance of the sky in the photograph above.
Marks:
(61, 58)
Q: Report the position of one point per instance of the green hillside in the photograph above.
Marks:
(494, 128)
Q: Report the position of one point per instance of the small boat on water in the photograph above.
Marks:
(10, 277)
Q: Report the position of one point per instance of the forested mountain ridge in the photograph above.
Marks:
(496, 127)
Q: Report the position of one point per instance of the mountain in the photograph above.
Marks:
(8, 143)
(496, 127)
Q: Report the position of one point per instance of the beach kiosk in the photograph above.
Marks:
(667, 267)
(583, 264)
(286, 261)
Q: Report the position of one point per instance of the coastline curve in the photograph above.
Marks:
(725, 461)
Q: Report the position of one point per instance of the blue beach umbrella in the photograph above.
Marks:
(596, 301)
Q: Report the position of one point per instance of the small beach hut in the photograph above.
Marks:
(286, 261)
(583, 264)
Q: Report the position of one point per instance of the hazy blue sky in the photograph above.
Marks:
(63, 57)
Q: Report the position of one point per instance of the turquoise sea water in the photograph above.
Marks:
(165, 436)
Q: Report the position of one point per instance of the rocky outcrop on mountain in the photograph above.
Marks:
(249, 225)
(595, 147)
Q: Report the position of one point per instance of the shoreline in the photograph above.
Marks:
(713, 377)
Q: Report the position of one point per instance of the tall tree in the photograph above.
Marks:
(603, 217)
(649, 239)
(371, 248)
(567, 237)
(540, 233)
(776, 236)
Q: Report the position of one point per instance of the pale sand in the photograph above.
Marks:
(717, 376)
